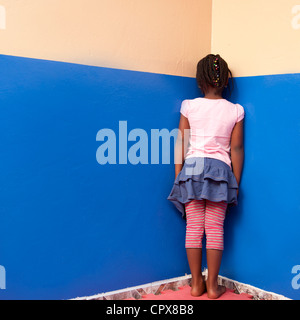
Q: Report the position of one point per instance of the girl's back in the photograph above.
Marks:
(211, 123)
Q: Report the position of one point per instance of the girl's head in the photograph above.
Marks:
(212, 73)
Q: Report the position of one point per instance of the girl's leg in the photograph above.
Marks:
(214, 221)
(193, 242)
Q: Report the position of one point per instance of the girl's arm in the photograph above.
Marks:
(181, 143)
(237, 150)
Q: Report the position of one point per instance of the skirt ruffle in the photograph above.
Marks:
(204, 178)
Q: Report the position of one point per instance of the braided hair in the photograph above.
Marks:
(213, 71)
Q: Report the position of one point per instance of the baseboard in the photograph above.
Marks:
(174, 283)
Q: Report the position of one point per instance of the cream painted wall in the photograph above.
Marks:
(160, 36)
(257, 37)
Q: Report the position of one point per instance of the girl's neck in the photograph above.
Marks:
(212, 96)
(212, 93)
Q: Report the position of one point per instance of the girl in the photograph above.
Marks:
(208, 180)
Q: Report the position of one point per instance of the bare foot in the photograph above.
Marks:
(215, 291)
(198, 288)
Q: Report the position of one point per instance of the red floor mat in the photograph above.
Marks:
(184, 294)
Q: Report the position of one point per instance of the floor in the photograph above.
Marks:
(179, 289)
(183, 293)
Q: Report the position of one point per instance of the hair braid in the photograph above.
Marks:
(212, 71)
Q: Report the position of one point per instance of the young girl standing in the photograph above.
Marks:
(208, 170)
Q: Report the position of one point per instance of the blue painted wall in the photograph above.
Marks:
(262, 235)
(71, 227)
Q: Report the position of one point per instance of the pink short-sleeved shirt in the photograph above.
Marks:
(211, 124)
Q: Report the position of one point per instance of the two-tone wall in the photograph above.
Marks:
(69, 225)
(73, 227)
(261, 42)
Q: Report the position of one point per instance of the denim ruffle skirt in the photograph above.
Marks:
(204, 178)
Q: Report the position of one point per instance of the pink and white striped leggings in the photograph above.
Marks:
(208, 216)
